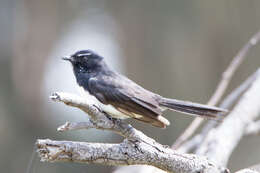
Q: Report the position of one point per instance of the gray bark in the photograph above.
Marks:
(137, 148)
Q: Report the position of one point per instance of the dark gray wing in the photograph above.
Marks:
(127, 97)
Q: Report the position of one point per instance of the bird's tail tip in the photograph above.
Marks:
(194, 109)
(161, 122)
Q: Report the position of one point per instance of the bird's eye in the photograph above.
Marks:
(83, 58)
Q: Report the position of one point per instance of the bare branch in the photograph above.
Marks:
(234, 95)
(252, 169)
(247, 170)
(233, 66)
(137, 148)
(76, 126)
(221, 141)
(188, 132)
(195, 141)
(253, 128)
(218, 143)
(126, 153)
(221, 88)
(98, 119)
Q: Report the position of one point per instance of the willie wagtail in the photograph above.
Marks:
(122, 98)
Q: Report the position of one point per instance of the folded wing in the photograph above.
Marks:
(128, 98)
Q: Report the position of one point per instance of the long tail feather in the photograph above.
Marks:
(193, 108)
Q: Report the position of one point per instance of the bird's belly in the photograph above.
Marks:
(113, 112)
(109, 109)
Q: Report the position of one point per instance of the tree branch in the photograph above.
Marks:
(76, 126)
(98, 119)
(227, 103)
(221, 88)
(253, 128)
(247, 170)
(216, 146)
(137, 148)
(126, 153)
(252, 169)
(212, 141)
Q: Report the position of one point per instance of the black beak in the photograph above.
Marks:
(67, 58)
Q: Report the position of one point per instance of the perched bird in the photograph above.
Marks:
(122, 98)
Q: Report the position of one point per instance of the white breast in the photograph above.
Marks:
(107, 108)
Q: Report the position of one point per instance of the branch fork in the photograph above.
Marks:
(136, 148)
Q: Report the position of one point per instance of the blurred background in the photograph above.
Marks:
(176, 48)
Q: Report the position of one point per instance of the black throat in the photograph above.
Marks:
(83, 74)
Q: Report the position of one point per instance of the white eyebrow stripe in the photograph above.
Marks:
(85, 54)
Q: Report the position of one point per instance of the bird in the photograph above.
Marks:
(122, 98)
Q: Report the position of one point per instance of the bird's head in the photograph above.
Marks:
(85, 60)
